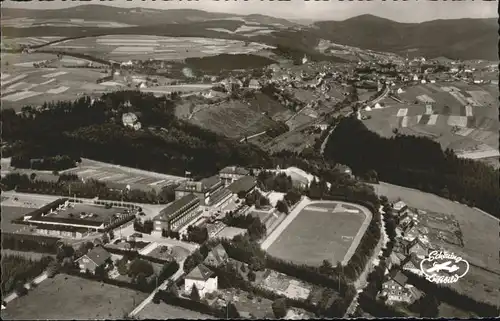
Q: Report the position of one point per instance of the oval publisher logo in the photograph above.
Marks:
(443, 267)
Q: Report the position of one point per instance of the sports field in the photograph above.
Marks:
(322, 231)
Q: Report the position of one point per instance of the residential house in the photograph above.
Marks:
(395, 259)
(396, 289)
(217, 256)
(417, 247)
(131, 120)
(201, 277)
(412, 263)
(95, 258)
(400, 206)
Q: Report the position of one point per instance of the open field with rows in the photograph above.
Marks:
(22, 84)
(30, 23)
(459, 116)
(321, 231)
(122, 175)
(143, 47)
(479, 234)
(72, 298)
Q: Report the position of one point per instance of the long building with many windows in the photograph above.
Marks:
(177, 214)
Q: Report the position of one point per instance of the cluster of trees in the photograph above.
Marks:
(54, 163)
(93, 129)
(143, 227)
(196, 234)
(369, 301)
(30, 243)
(269, 181)
(18, 270)
(415, 162)
(257, 199)
(230, 277)
(214, 64)
(256, 229)
(68, 185)
(243, 249)
(170, 234)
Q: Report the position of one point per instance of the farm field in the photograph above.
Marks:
(10, 213)
(68, 297)
(143, 47)
(321, 231)
(463, 127)
(163, 311)
(232, 119)
(479, 234)
(23, 84)
(121, 175)
(31, 23)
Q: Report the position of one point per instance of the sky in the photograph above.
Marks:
(402, 11)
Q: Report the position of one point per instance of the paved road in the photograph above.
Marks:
(362, 282)
(162, 286)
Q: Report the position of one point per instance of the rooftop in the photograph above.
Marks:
(244, 184)
(172, 209)
(200, 272)
(234, 170)
(399, 277)
(202, 186)
(98, 255)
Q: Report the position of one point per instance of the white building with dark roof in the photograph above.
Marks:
(201, 277)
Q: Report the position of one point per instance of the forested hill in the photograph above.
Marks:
(95, 130)
(415, 162)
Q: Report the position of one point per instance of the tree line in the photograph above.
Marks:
(67, 185)
(415, 162)
(94, 129)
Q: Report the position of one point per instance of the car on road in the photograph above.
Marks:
(137, 234)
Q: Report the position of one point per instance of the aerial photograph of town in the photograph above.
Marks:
(249, 160)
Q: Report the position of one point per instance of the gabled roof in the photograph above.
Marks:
(399, 277)
(244, 184)
(399, 205)
(200, 272)
(98, 255)
(219, 253)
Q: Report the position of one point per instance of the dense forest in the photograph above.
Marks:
(214, 64)
(94, 129)
(415, 162)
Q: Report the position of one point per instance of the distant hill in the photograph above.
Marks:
(456, 39)
(136, 16)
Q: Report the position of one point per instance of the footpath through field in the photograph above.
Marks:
(39, 279)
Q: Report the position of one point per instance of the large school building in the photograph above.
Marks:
(178, 214)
